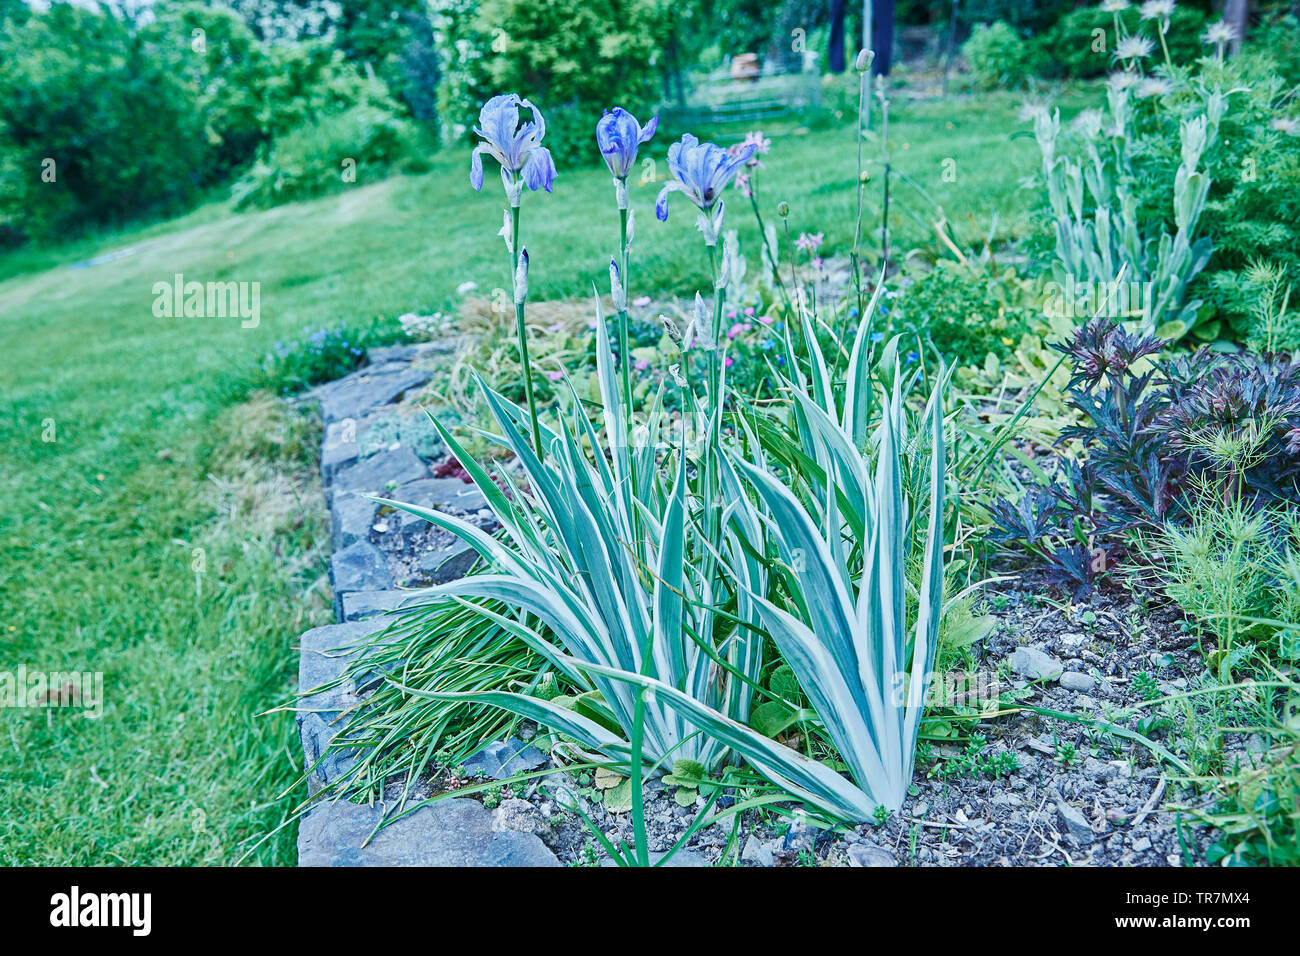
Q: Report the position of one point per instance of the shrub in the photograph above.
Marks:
(998, 57)
(69, 67)
(577, 56)
(360, 145)
(964, 315)
(1073, 48)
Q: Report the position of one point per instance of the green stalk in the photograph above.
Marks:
(522, 331)
(624, 359)
(625, 367)
(857, 228)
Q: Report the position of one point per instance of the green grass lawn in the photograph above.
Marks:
(99, 527)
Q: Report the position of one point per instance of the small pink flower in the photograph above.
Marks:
(731, 313)
(641, 364)
(749, 311)
(641, 301)
(555, 328)
(761, 143)
(728, 362)
(742, 184)
(818, 262)
(555, 376)
(738, 329)
(809, 243)
(765, 320)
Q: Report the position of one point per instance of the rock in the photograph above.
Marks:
(759, 852)
(505, 759)
(448, 564)
(868, 854)
(566, 795)
(1098, 769)
(1141, 845)
(455, 832)
(441, 494)
(516, 814)
(1035, 664)
(383, 354)
(350, 520)
(360, 605)
(381, 472)
(358, 567)
(339, 449)
(324, 657)
(369, 388)
(1074, 822)
(1073, 680)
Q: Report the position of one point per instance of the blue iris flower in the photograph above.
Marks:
(701, 171)
(518, 148)
(619, 135)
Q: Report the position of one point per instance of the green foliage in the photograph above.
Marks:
(79, 93)
(321, 355)
(82, 89)
(999, 57)
(578, 57)
(1104, 239)
(976, 760)
(1254, 203)
(1133, 153)
(361, 145)
(1231, 570)
(965, 315)
(1072, 48)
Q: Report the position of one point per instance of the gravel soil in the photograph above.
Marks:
(1078, 797)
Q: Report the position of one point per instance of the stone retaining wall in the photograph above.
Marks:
(378, 560)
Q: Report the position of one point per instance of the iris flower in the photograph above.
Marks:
(518, 148)
(701, 171)
(619, 135)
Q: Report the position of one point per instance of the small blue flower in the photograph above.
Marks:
(911, 357)
(780, 360)
(853, 312)
(701, 171)
(517, 148)
(767, 343)
(619, 135)
(877, 336)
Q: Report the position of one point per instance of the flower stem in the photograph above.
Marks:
(625, 367)
(624, 357)
(522, 331)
